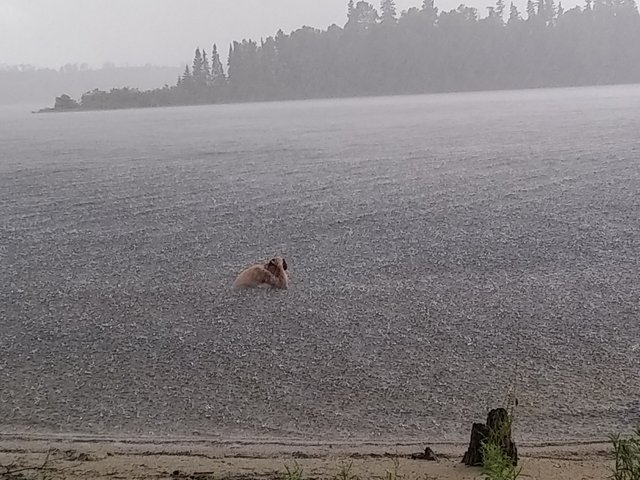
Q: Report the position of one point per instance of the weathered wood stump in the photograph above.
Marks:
(498, 429)
(473, 455)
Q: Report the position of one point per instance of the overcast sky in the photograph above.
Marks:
(50, 33)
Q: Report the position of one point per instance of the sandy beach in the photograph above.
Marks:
(82, 457)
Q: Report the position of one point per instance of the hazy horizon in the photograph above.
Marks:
(160, 32)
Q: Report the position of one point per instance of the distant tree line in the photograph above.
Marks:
(379, 51)
(28, 85)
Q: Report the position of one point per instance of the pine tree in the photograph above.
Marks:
(217, 71)
(206, 70)
(187, 78)
(430, 11)
(514, 15)
(187, 74)
(363, 16)
(350, 14)
(388, 9)
(197, 71)
(500, 9)
(230, 61)
(531, 10)
(549, 11)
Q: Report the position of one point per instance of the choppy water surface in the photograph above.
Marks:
(442, 249)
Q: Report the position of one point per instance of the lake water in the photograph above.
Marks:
(443, 251)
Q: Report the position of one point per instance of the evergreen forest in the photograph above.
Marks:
(380, 51)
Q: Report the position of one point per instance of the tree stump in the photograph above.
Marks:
(499, 430)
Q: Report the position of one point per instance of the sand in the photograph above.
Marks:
(82, 457)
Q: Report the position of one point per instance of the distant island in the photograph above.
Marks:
(420, 50)
(29, 85)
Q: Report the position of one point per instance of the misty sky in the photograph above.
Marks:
(50, 33)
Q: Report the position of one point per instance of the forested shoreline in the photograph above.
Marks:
(31, 85)
(421, 50)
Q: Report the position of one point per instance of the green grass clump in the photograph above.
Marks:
(345, 473)
(497, 466)
(626, 452)
(292, 473)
